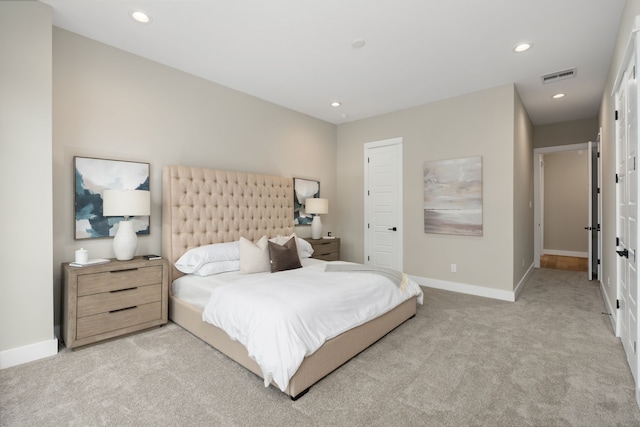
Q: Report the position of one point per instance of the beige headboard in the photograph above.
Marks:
(204, 206)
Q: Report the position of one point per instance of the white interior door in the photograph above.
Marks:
(541, 217)
(599, 246)
(383, 203)
(538, 211)
(593, 227)
(627, 210)
(589, 227)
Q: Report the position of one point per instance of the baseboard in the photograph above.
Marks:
(464, 288)
(611, 309)
(28, 353)
(523, 281)
(565, 253)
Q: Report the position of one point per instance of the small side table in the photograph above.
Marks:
(104, 301)
(325, 249)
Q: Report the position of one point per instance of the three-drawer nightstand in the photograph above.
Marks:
(325, 249)
(109, 300)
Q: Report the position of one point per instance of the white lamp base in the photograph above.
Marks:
(316, 227)
(125, 241)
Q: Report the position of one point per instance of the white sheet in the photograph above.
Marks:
(197, 290)
(282, 317)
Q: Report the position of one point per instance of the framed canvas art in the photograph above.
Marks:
(453, 196)
(93, 176)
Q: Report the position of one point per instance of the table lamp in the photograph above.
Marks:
(316, 206)
(126, 203)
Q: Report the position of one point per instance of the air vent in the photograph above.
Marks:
(559, 75)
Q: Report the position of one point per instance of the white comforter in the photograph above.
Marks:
(282, 317)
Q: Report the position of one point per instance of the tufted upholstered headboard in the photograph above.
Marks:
(204, 206)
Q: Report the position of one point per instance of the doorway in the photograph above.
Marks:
(573, 166)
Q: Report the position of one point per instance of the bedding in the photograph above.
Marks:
(282, 318)
(305, 250)
(196, 290)
(254, 257)
(202, 207)
(284, 257)
(194, 259)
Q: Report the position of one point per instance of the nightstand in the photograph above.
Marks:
(109, 300)
(325, 249)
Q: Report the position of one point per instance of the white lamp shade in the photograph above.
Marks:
(126, 203)
(315, 205)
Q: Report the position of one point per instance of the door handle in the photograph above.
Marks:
(393, 229)
(624, 253)
(588, 228)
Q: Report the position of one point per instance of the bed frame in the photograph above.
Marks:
(204, 206)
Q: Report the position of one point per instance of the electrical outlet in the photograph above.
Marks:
(454, 268)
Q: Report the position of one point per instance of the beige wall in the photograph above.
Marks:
(114, 105)
(26, 292)
(566, 201)
(522, 192)
(608, 154)
(565, 133)
(477, 124)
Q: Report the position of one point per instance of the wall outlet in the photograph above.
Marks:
(454, 268)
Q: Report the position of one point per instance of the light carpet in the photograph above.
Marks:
(549, 359)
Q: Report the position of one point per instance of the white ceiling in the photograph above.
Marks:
(299, 54)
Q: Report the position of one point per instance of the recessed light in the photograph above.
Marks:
(336, 104)
(140, 16)
(558, 96)
(523, 47)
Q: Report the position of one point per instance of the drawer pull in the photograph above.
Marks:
(122, 290)
(122, 271)
(123, 309)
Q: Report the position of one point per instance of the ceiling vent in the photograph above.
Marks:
(559, 75)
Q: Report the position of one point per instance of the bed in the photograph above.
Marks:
(205, 206)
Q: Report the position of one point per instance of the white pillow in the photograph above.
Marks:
(192, 260)
(254, 257)
(217, 267)
(305, 250)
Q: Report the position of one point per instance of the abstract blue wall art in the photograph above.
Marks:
(92, 177)
(302, 190)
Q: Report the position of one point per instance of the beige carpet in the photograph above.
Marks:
(550, 359)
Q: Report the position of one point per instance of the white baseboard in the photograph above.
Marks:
(464, 288)
(523, 281)
(565, 253)
(28, 353)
